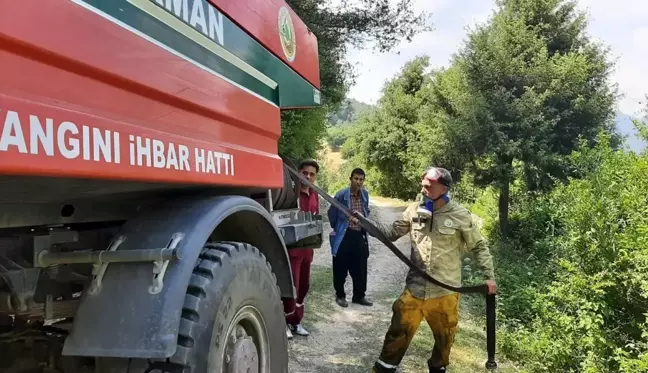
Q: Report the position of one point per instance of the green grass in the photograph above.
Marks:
(319, 305)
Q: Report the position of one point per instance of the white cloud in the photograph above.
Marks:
(620, 24)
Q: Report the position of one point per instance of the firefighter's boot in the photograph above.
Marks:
(379, 368)
(436, 369)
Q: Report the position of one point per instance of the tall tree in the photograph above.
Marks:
(541, 85)
(382, 137)
(445, 134)
(352, 23)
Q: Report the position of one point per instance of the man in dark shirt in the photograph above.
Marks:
(301, 258)
(349, 242)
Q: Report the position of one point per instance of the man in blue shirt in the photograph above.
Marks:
(349, 241)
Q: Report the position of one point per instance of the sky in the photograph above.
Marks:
(622, 25)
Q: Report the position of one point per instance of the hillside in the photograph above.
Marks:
(348, 112)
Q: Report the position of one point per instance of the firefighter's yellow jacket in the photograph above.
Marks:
(438, 245)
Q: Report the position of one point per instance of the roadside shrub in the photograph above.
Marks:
(587, 311)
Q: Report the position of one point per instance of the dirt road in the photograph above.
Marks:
(345, 340)
(349, 340)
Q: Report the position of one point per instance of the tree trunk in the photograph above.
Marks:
(504, 207)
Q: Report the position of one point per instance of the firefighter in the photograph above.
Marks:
(440, 231)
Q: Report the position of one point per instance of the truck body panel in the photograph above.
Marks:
(258, 17)
(95, 97)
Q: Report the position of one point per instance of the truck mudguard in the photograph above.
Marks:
(123, 319)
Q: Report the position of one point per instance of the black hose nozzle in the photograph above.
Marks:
(491, 364)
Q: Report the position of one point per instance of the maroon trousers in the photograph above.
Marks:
(300, 262)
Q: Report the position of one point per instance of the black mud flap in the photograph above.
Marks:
(124, 319)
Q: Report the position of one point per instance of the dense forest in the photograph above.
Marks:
(524, 117)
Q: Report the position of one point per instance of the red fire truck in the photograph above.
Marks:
(145, 214)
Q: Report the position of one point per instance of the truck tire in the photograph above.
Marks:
(232, 319)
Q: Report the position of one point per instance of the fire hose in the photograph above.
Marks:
(375, 232)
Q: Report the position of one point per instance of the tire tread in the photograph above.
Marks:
(213, 257)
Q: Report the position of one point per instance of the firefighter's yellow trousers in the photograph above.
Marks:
(442, 314)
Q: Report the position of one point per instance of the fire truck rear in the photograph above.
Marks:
(145, 214)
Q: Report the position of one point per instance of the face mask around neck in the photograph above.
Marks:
(427, 205)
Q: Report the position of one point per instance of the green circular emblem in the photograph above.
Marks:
(287, 34)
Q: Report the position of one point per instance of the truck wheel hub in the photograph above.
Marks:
(243, 355)
(245, 358)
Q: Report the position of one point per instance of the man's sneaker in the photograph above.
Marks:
(363, 302)
(299, 330)
(341, 302)
(289, 333)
